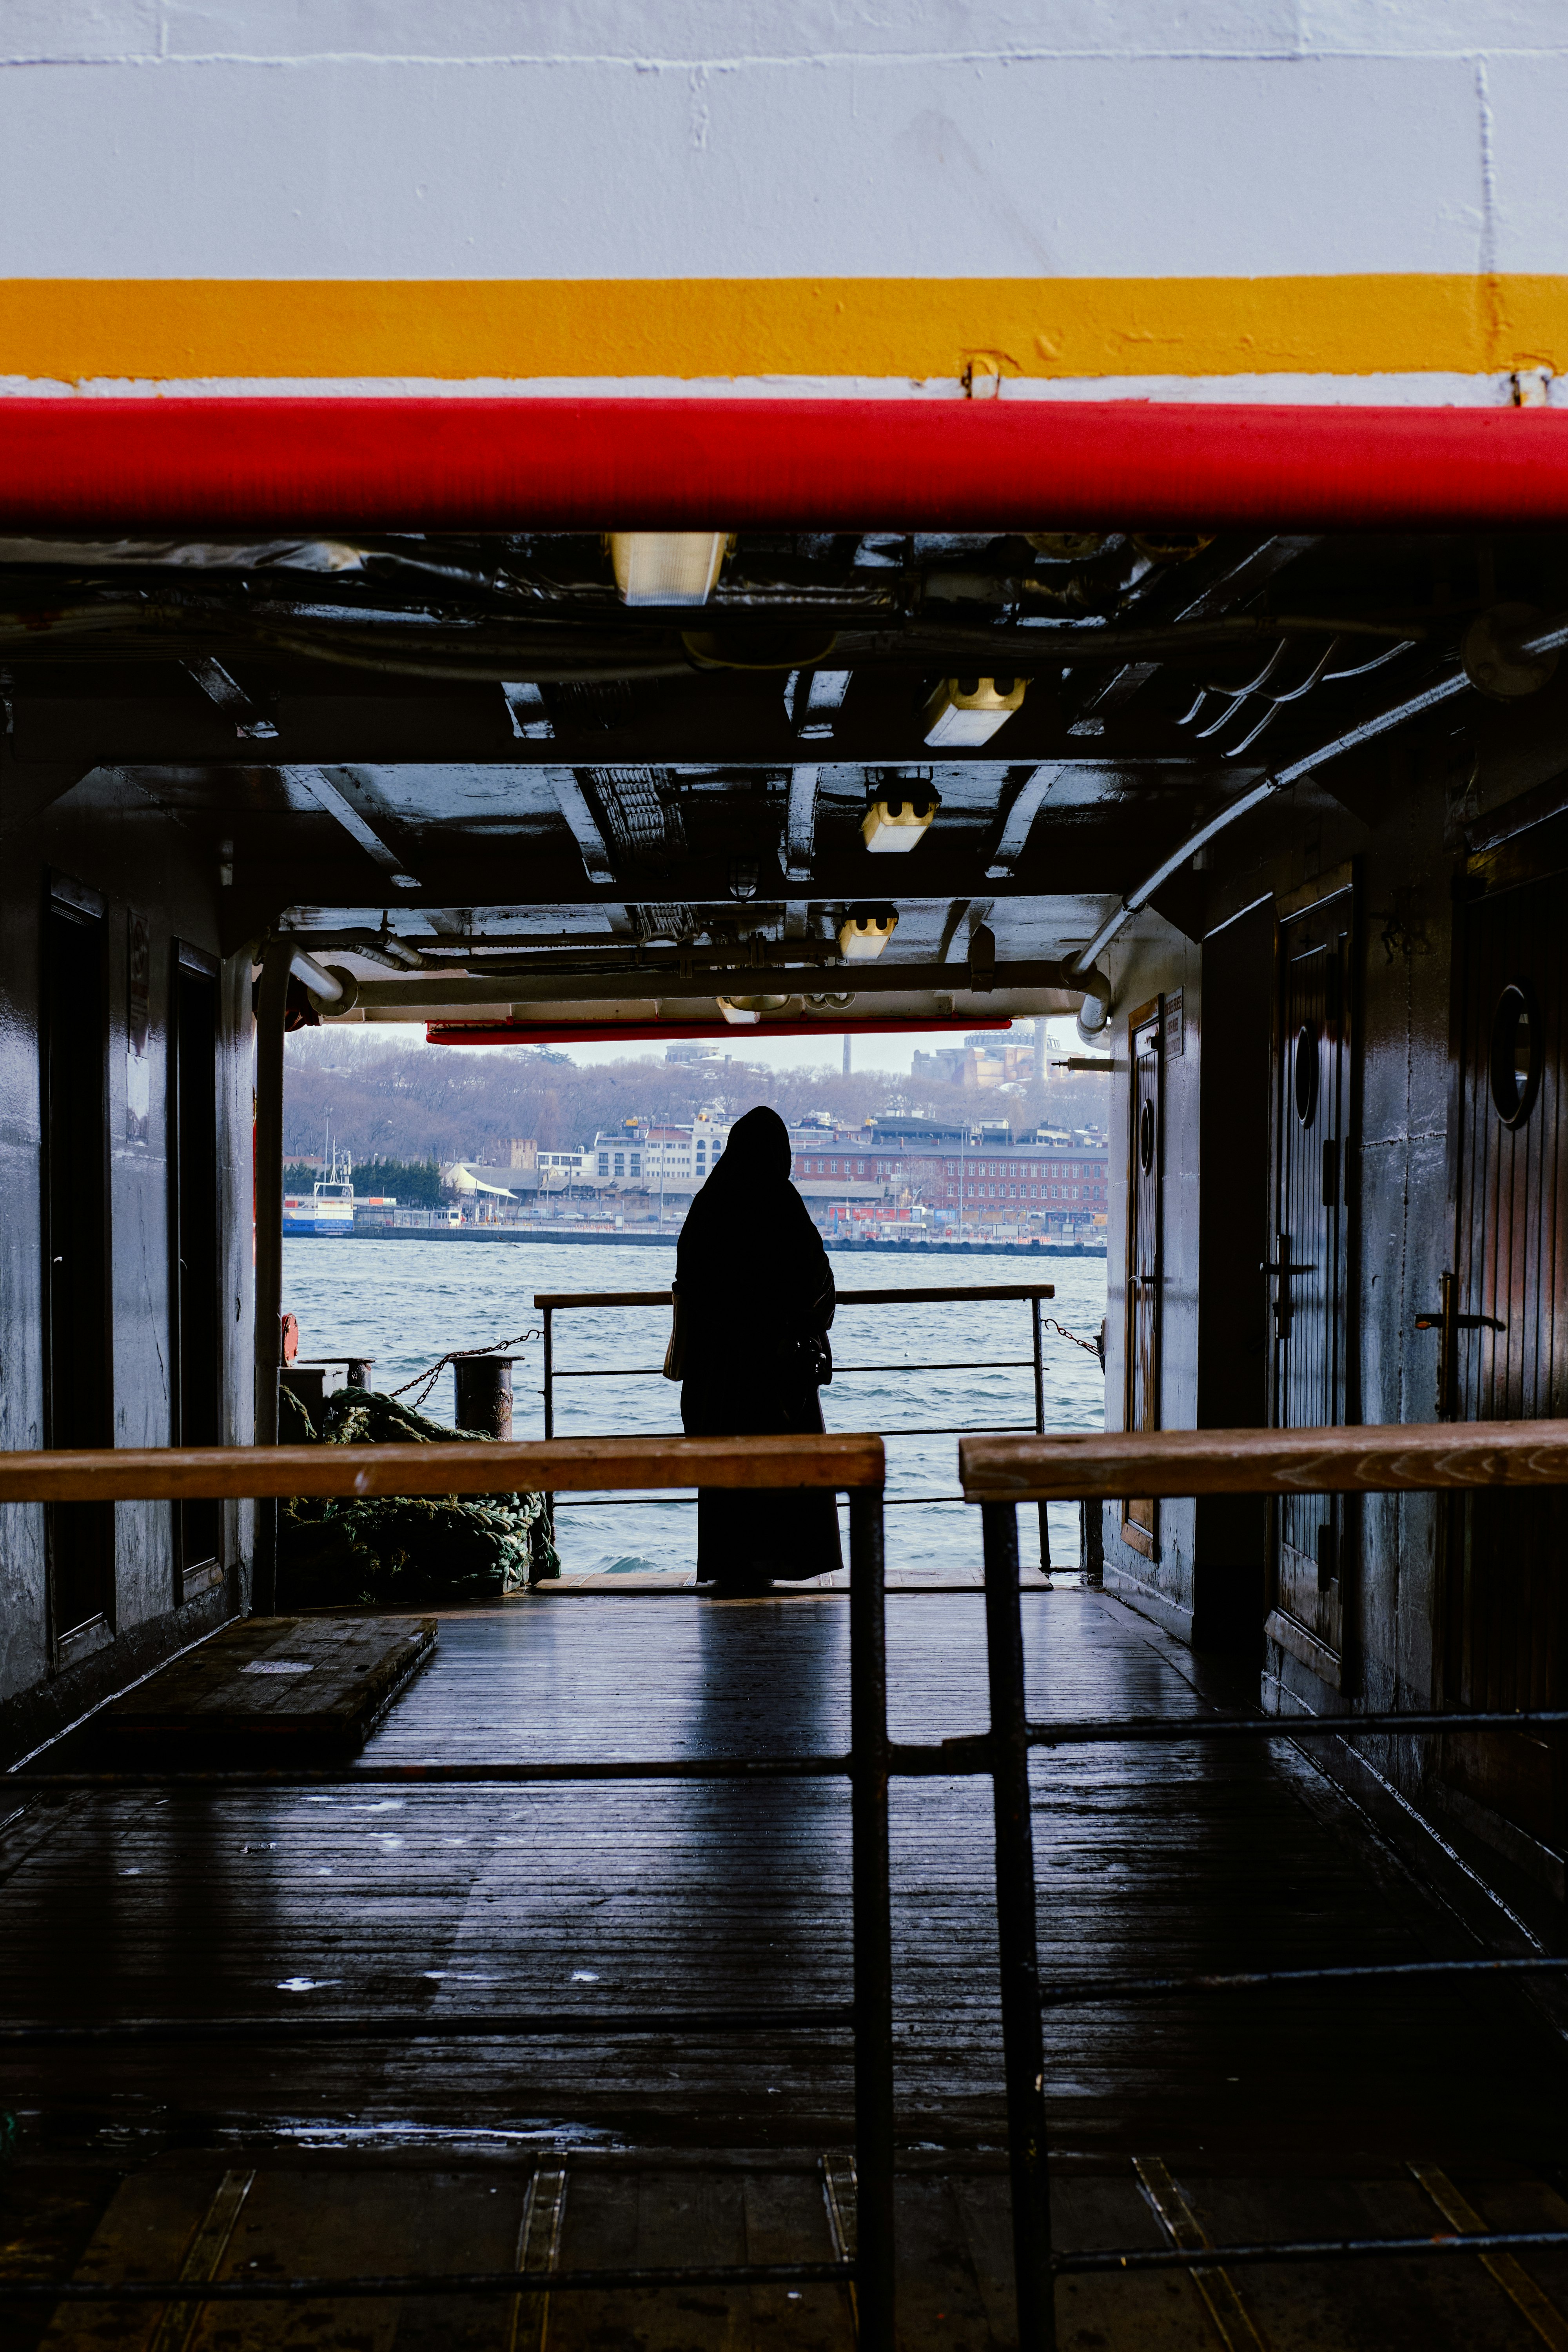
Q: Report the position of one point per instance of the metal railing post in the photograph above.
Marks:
(1040, 1424)
(549, 1336)
(1022, 2041)
(271, 1014)
(872, 1924)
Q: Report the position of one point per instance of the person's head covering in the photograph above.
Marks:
(748, 1248)
(758, 1150)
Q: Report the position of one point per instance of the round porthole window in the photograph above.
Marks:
(1515, 1063)
(1304, 1074)
(1146, 1138)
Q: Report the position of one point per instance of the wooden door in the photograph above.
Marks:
(1308, 1254)
(77, 1397)
(1501, 1343)
(1146, 1152)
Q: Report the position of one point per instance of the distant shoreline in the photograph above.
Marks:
(500, 1233)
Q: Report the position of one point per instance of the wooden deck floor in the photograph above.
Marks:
(1280, 2117)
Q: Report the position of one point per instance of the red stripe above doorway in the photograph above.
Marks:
(352, 462)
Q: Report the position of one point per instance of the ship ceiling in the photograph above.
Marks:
(429, 752)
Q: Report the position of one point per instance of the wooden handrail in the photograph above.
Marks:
(178, 1473)
(557, 1299)
(1383, 1460)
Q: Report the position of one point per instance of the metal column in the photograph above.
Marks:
(548, 1315)
(1023, 2043)
(1040, 1423)
(272, 1011)
(873, 1926)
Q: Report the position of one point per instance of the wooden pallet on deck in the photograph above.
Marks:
(277, 1685)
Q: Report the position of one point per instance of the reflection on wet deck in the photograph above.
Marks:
(1285, 2110)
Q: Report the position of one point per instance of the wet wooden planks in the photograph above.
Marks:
(268, 1903)
(294, 1685)
(199, 2221)
(199, 2218)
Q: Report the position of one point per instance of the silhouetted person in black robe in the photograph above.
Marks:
(756, 1300)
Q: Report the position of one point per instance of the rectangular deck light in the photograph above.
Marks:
(668, 567)
(746, 1012)
(899, 816)
(864, 932)
(969, 710)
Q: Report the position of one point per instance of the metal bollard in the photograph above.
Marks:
(484, 1393)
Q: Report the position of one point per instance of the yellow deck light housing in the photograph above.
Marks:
(1067, 546)
(899, 816)
(745, 1012)
(968, 711)
(668, 567)
(1171, 546)
(864, 932)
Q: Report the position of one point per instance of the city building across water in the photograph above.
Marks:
(933, 1179)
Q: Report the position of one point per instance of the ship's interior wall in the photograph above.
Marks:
(1398, 832)
(106, 840)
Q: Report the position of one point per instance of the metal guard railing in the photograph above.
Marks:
(854, 1465)
(549, 1304)
(998, 1474)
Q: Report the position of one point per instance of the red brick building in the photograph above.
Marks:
(990, 1182)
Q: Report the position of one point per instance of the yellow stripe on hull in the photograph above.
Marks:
(84, 329)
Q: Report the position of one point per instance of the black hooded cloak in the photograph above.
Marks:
(757, 1299)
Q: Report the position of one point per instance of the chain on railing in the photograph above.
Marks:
(1090, 1346)
(433, 1372)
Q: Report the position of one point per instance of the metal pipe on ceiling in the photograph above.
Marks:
(883, 978)
(1546, 636)
(1383, 723)
(355, 463)
(329, 984)
(586, 1033)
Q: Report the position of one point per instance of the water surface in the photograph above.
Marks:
(408, 1302)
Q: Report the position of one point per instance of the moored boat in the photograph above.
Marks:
(328, 1207)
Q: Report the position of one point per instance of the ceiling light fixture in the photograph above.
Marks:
(899, 816)
(968, 711)
(668, 567)
(745, 1012)
(864, 932)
